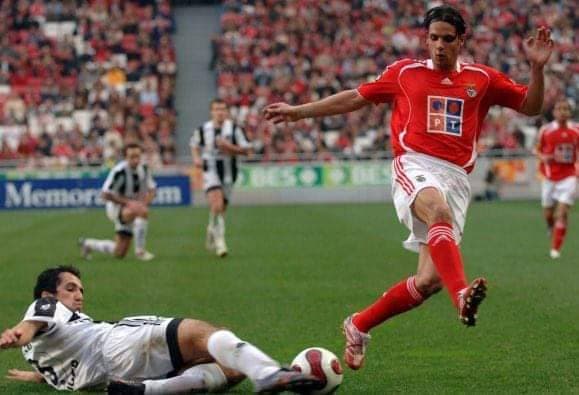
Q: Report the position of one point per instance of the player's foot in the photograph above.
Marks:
(144, 255)
(220, 247)
(356, 343)
(125, 388)
(84, 249)
(469, 299)
(554, 254)
(210, 240)
(287, 380)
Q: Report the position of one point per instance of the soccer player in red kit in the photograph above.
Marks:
(557, 150)
(437, 109)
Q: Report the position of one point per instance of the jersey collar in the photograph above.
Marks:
(430, 65)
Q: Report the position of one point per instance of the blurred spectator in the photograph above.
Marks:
(75, 72)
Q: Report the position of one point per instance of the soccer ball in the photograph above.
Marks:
(321, 363)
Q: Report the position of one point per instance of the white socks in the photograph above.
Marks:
(233, 353)
(208, 378)
(219, 227)
(104, 246)
(140, 229)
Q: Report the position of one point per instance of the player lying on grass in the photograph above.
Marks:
(136, 355)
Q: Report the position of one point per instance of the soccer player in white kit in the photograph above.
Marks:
(137, 355)
(438, 106)
(128, 190)
(215, 146)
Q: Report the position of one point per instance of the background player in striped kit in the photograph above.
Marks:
(214, 147)
(557, 150)
(128, 191)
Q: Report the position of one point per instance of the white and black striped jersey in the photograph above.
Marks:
(68, 352)
(131, 183)
(224, 165)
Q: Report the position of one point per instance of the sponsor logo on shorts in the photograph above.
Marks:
(420, 178)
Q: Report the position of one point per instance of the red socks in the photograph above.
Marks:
(446, 257)
(400, 298)
(558, 235)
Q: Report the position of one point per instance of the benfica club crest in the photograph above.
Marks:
(471, 92)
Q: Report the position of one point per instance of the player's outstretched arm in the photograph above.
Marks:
(538, 50)
(340, 103)
(20, 335)
(28, 376)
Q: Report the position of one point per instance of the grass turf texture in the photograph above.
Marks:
(295, 272)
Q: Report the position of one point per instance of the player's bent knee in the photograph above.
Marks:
(428, 286)
(193, 336)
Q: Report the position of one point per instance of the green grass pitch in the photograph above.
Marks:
(295, 272)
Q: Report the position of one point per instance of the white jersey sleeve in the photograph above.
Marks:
(240, 137)
(49, 311)
(68, 352)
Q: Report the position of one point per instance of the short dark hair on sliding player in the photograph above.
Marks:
(49, 279)
(448, 14)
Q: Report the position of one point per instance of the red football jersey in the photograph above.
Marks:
(562, 145)
(440, 113)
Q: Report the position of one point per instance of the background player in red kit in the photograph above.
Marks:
(557, 151)
(437, 109)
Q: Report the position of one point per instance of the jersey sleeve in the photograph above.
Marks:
(240, 137)
(385, 87)
(505, 92)
(150, 181)
(113, 181)
(195, 140)
(48, 310)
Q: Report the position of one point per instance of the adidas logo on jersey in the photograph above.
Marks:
(446, 81)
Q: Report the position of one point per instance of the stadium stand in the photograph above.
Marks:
(301, 50)
(77, 78)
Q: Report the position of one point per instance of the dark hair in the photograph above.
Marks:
(448, 14)
(49, 279)
(128, 146)
(217, 101)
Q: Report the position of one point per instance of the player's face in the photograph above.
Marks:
(133, 157)
(219, 113)
(562, 111)
(70, 292)
(443, 45)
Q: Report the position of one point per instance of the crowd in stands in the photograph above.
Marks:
(80, 77)
(300, 50)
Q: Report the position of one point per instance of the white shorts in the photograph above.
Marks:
(413, 172)
(562, 191)
(140, 348)
(114, 214)
(211, 181)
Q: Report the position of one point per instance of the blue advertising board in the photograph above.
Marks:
(82, 192)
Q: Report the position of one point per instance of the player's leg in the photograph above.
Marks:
(548, 204)
(549, 215)
(119, 246)
(401, 297)
(560, 229)
(216, 200)
(201, 342)
(431, 207)
(138, 217)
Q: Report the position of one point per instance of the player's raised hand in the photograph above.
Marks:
(281, 112)
(539, 48)
(9, 338)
